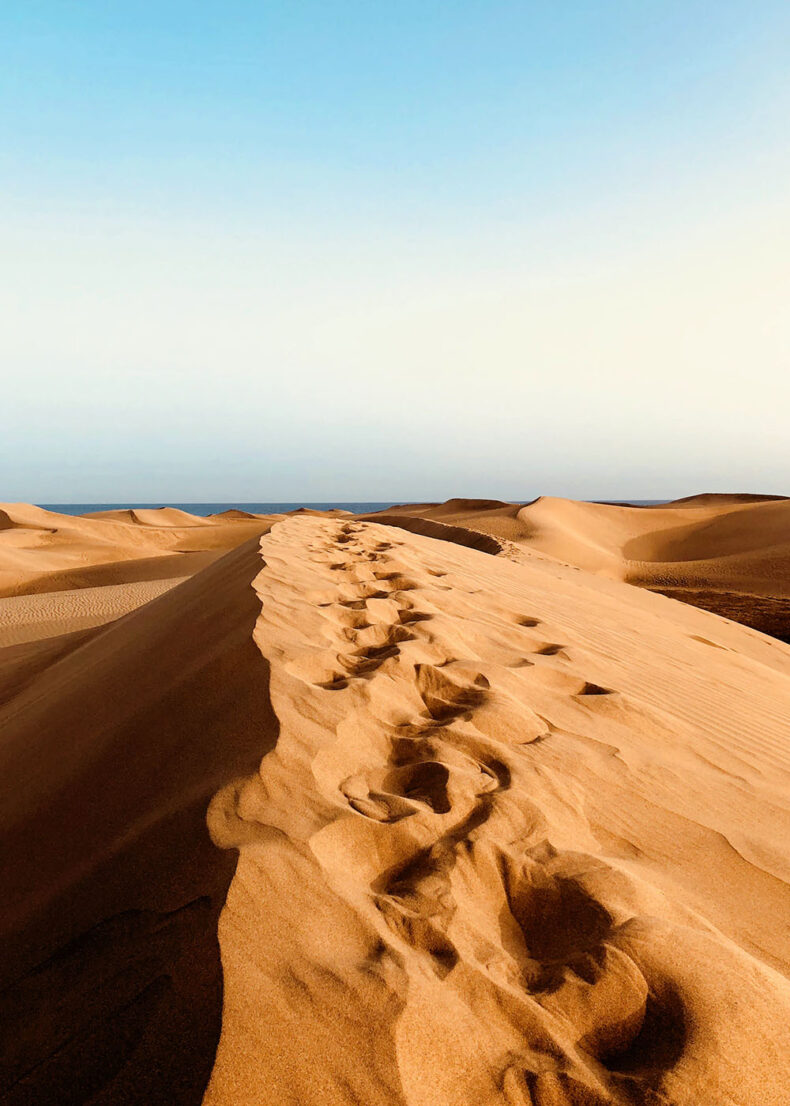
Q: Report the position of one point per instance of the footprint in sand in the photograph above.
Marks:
(705, 641)
(376, 645)
(401, 792)
(396, 580)
(594, 689)
(444, 698)
(569, 949)
(521, 1087)
(550, 649)
(336, 683)
(407, 617)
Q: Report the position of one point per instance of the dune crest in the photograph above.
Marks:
(150, 516)
(469, 871)
(464, 826)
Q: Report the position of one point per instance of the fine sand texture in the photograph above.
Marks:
(378, 812)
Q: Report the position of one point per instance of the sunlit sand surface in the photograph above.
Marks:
(433, 810)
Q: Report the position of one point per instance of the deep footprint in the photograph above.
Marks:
(445, 699)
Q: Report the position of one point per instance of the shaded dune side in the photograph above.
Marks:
(750, 532)
(767, 613)
(111, 980)
(460, 505)
(485, 516)
(21, 664)
(519, 841)
(735, 563)
(430, 528)
(165, 567)
(234, 513)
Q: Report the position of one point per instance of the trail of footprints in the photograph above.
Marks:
(562, 942)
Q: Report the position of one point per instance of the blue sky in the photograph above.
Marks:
(353, 250)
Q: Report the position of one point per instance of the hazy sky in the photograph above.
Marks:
(308, 249)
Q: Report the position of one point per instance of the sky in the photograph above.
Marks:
(302, 250)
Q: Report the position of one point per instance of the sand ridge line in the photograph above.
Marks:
(417, 715)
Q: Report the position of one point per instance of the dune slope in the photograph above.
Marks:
(467, 829)
(115, 742)
(43, 551)
(520, 841)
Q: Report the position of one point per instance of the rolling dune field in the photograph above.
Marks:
(430, 808)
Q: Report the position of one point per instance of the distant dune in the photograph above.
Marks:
(726, 553)
(151, 516)
(431, 810)
(41, 551)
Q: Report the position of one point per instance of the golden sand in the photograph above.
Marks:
(393, 815)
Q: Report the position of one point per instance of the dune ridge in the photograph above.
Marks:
(475, 802)
(465, 824)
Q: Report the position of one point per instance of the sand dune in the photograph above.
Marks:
(542, 856)
(42, 551)
(111, 886)
(468, 825)
(234, 513)
(726, 553)
(718, 499)
(60, 573)
(151, 516)
(33, 617)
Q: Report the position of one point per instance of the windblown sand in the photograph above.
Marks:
(429, 814)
